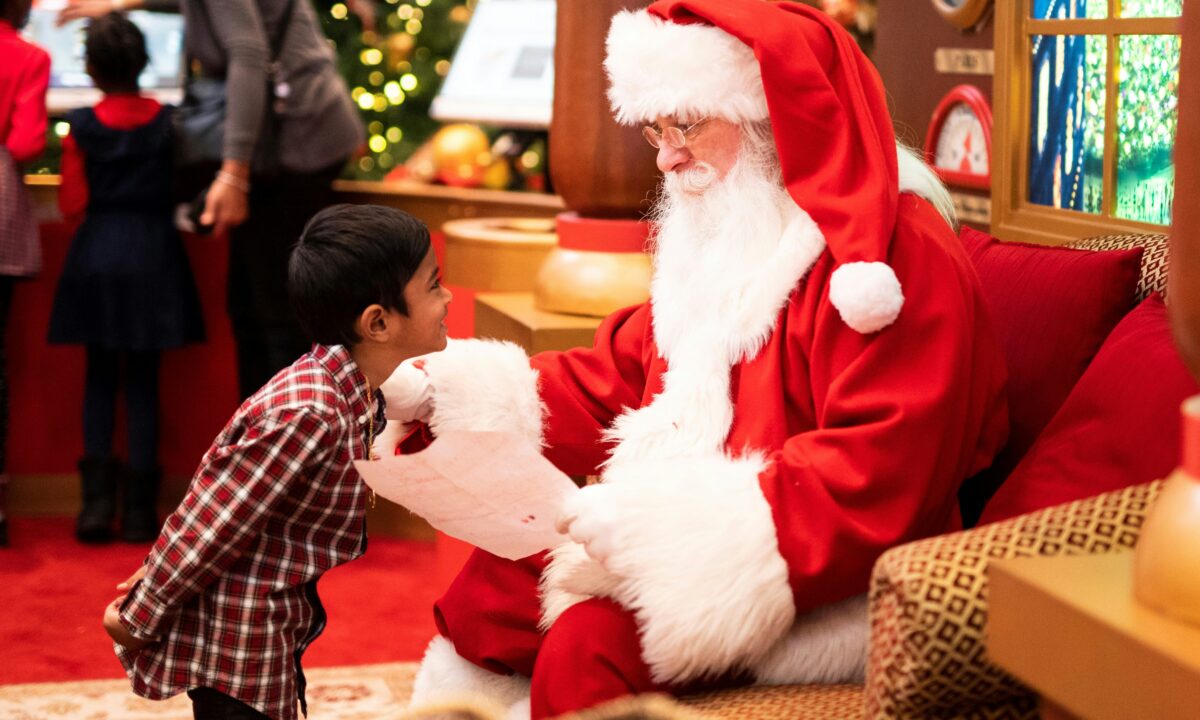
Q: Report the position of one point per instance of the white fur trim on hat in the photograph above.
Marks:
(659, 68)
(866, 294)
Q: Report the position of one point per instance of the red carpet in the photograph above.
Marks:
(53, 591)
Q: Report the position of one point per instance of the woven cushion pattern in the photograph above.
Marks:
(1155, 255)
(809, 702)
(928, 606)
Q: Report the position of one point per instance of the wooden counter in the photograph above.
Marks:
(1069, 627)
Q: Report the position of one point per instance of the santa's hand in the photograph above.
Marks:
(407, 393)
(389, 438)
(593, 518)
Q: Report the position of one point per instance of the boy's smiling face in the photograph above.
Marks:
(423, 329)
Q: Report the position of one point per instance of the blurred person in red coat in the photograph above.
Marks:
(24, 76)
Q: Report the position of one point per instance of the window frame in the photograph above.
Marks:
(1013, 216)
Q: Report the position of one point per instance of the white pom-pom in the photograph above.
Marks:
(867, 295)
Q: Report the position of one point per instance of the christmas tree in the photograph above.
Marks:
(394, 55)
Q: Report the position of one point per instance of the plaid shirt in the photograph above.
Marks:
(230, 585)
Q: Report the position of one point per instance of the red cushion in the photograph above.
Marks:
(1118, 427)
(1052, 308)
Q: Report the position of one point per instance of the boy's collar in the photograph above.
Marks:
(348, 375)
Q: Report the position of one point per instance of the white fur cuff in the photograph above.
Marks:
(825, 645)
(484, 385)
(699, 564)
(866, 294)
(446, 677)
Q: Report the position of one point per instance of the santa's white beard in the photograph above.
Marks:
(714, 236)
(710, 226)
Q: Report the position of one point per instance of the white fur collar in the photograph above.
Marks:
(707, 319)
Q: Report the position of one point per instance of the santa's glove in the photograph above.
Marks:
(408, 395)
(593, 518)
(691, 544)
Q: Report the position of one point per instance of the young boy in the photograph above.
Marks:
(227, 602)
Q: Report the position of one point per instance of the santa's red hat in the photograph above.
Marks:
(749, 60)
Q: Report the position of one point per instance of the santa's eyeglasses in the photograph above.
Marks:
(671, 135)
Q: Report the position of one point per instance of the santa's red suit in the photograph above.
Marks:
(763, 434)
(836, 446)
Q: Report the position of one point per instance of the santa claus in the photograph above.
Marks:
(811, 380)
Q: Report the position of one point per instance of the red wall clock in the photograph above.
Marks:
(959, 141)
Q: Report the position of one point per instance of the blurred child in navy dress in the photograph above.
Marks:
(126, 290)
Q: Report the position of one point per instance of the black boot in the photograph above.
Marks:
(139, 522)
(99, 478)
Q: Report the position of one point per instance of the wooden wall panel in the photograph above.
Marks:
(907, 34)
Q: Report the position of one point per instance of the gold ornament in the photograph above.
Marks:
(498, 175)
(399, 47)
(460, 153)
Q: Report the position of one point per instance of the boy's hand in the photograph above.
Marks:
(125, 586)
(117, 631)
(407, 393)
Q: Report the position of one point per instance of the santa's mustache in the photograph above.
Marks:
(693, 181)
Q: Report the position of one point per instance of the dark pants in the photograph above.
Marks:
(267, 336)
(141, 404)
(209, 704)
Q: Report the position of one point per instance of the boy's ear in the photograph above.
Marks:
(373, 323)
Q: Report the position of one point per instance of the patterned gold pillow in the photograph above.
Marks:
(928, 606)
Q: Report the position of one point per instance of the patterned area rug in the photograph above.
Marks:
(345, 693)
(381, 692)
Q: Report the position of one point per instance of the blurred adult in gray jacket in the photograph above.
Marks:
(319, 127)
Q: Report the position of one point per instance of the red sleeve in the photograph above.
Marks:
(585, 388)
(73, 193)
(27, 138)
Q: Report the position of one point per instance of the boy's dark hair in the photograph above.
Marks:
(350, 257)
(16, 12)
(115, 50)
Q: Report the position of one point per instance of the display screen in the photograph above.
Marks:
(68, 71)
(503, 72)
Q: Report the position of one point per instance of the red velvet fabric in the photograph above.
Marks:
(1052, 309)
(592, 654)
(1120, 426)
(599, 635)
